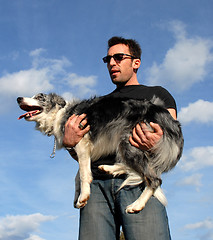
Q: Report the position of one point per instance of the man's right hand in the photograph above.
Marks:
(72, 132)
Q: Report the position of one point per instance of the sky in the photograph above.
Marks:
(57, 46)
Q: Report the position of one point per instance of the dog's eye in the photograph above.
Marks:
(40, 97)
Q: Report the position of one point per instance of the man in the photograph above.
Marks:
(104, 213)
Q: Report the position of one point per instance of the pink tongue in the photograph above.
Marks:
(28, 113)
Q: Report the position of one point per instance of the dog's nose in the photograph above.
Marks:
(19, 99)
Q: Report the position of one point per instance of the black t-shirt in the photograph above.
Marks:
(139, 92)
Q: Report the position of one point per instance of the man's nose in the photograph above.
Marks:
(112, 62)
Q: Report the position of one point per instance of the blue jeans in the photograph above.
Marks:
(104, 214)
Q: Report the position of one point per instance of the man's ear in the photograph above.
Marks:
(136, 63)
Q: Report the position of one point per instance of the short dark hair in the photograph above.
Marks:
(134, 46)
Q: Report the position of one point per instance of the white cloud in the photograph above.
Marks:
(207, 223)
(185, 64)
(21, 227)
(199, 111)
(37, 52)
(38, 78)
(81, 84)
(26, 82)
(43, 76)
(197, 158)
(193, 180)
(68, 96)
(34, 237)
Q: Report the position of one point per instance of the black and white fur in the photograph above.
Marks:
(111, 122)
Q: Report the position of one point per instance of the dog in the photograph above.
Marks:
(111, 123)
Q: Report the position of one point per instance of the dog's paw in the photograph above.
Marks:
(106, 168)
(112, 169)
(82, 200)
(135, 207)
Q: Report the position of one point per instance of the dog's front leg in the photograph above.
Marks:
(77, 189)
(83, 150)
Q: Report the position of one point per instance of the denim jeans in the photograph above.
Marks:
(104, 214)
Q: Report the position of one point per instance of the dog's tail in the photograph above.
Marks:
(159, 194)
(134, 179)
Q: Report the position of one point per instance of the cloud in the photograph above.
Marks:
(37, 52)
(185, 64)
(21, 227)
(25, 82)
(81, 84)
(197, 158)
(43, 76)
(207, 223)
(38, 78)
(199, 111)
(34, 237)
(194, 180)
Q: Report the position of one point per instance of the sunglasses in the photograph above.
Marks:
(118, 57)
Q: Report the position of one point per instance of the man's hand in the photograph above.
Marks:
(73, 132)
(145, 138)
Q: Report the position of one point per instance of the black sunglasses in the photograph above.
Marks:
(117, 57)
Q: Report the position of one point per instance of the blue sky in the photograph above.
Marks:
(57, 46)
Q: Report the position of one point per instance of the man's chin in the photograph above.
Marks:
(119, 83)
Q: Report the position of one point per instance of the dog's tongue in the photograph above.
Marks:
(28, 114)
(23, 115)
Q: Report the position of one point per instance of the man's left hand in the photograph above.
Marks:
(145, 138)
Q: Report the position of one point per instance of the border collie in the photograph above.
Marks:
(111, 123)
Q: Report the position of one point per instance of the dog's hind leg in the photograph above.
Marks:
(115, 170)
(140, 203)
(133, 178)
(83, 150)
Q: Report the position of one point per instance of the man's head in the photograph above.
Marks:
(123, 60)
(134, 47)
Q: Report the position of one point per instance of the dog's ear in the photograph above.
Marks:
(56, 99)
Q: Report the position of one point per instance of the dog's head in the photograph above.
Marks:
(39, 105)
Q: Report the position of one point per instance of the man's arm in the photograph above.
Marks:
(73, 133)
(173, 113)
(145, 139)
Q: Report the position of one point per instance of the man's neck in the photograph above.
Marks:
(129, 83)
